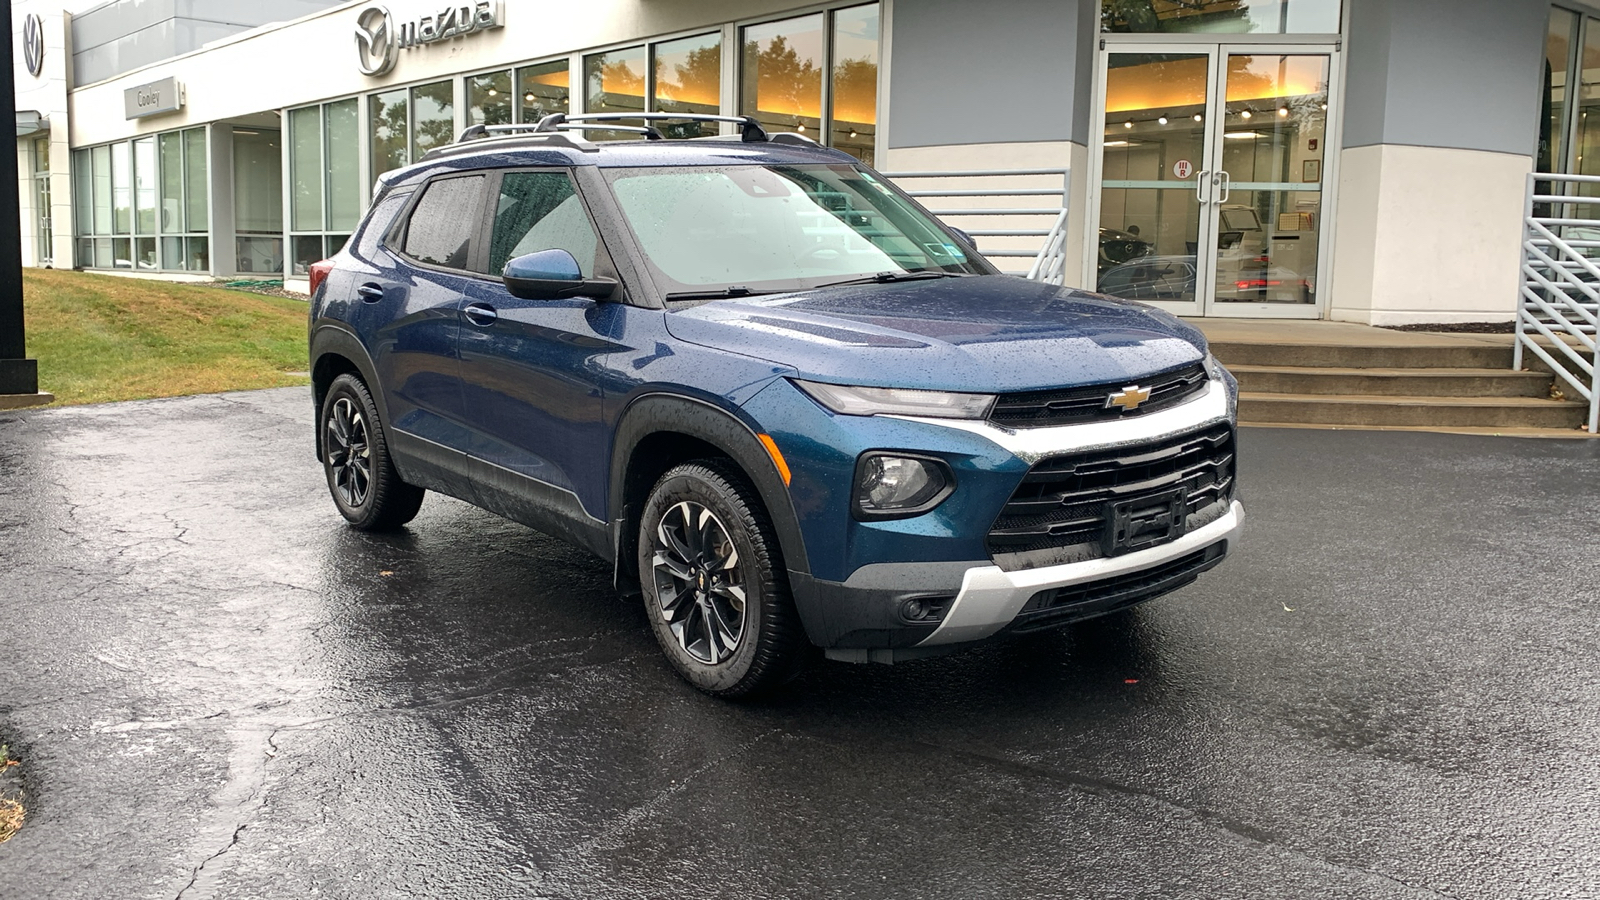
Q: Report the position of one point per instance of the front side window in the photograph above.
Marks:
(540, 211)
(442, 223)
(768, 228)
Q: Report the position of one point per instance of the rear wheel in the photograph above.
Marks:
(355, 457)
(715, 589)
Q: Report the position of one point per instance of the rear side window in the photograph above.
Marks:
(442, 223)
(540, 211)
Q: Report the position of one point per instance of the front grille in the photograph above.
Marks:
(1039, 409)
(1059, 513)
(1062, 606)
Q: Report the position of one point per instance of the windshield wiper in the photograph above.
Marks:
(889, 277)
(737, 290)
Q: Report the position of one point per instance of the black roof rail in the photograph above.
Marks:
(750, 131)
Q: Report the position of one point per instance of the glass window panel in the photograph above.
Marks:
(540, 211)
(689, 80)
(442, 223)
(433, 117)
(781, 74)
(171, 148)
(86, 253)
(1559, 47)
(196, 192)
(102, 191)
(144, 186)
(257, 182)
(1586, 140)
(545, 88)
(614, 83)
(343, 159)
(305, 168)
(82, 196)
(388, 116)
(855, 81)
(102, 253)
(197, 254)
(489, 99)
(41, 155)
(122, 188)
(121, 253)
(144, 253)
(1274, 138)
(1220, 16)
(307, 250)
(335, 244)
(1149, 229)
(259, 254)
(172, 253)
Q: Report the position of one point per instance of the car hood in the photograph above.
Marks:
(981, 333)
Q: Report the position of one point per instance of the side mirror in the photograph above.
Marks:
(966, 237)
(553, 275)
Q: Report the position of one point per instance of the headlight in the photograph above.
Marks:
(894, 486)
(850, 400)
(1213, 368)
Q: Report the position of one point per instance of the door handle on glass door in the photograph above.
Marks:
(1227, 185)
(1200, 179)
(481, 314)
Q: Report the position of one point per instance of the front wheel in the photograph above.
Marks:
(715, 589)
(355, 457)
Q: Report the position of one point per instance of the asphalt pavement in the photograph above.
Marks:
(217, 690)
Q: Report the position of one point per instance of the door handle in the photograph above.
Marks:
(481, 314)
(370, 292)
(1200, 179)
(1227, 185)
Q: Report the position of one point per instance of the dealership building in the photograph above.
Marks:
(1363, 160)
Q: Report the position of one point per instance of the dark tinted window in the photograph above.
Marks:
(540, 211)
(442, 224)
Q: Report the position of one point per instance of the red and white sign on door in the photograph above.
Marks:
(1183, 169)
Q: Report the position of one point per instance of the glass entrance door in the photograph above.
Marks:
(1211, 178)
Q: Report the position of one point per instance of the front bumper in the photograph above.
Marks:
(991, 598)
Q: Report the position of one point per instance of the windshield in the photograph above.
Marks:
(777, 228)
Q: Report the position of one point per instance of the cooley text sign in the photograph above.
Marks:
(151, 99)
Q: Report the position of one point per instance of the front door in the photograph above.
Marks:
(1211, 177)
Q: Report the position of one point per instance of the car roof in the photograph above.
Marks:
(557, 150)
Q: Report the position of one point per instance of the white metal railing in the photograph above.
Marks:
(1049, 260)
(1560, 295)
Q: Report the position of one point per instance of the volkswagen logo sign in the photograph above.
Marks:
(375, 41)
(33, 44)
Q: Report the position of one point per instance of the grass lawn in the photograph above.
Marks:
(100, 337)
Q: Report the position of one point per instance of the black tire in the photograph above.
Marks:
(693, 625)
(355, 458)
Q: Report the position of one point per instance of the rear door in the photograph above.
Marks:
(416, 348)
(531, 378)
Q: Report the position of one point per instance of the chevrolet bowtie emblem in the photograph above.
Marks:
(1128, 398)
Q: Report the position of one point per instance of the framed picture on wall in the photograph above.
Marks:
(1311, 171)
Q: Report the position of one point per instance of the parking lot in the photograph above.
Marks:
(216, 689)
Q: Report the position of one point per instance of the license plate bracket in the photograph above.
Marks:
(1144, 522)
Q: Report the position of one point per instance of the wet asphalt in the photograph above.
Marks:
(218, 690)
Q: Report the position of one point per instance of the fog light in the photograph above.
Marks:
(891, 486)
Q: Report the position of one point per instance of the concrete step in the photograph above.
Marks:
(1421, 354)
(1404, 382)
(1421, 411)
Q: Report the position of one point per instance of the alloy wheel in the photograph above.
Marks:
(699, 582)
(349, 452)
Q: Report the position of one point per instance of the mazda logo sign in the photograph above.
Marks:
(33, 44)
(375, 41)
(380, 37)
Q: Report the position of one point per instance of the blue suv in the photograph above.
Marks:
(790, 406)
